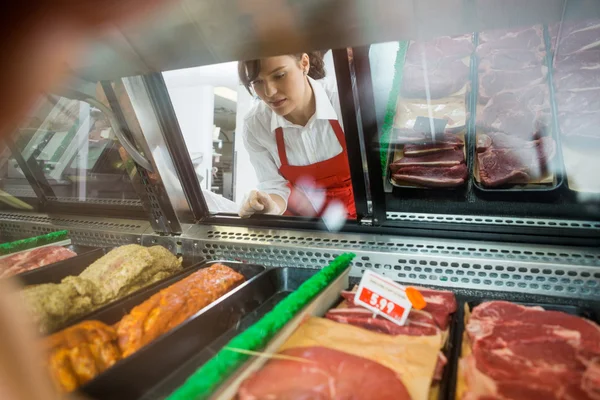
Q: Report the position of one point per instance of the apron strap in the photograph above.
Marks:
(339, 133)
(281, 146)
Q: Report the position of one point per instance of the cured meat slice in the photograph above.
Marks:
(447, 142)
(442, 159)
(582, 127)
(523, 352)
(578, 101)
(443, 79)
(439, 50)
(433, 176)
(326, 374)
(493, 82)
(585, 79)
(585, 60)
(32, 259)
(531, 38)
(501, 59)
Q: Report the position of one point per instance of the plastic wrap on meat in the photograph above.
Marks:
(582, 127)
(32, 259)
(173, 305)
(78, 354)
(326, 374)
(442, 177)
(530, 353)
(578, 101)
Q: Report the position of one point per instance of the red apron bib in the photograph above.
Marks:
(331, 175)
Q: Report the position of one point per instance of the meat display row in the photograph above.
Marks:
(31, 259)
(81, 352)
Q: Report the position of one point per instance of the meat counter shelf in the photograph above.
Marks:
(133, 376)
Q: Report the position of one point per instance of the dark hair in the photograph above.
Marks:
(249, 70)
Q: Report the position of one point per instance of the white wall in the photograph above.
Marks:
(245, 178)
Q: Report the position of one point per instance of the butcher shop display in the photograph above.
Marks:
(576, 46)
(514, 139)
(31, 259)
(431, 165)
(79, 353)
(351, 339)
(120, 272)
(512, 351)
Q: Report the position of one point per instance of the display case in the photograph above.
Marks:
(471, 142)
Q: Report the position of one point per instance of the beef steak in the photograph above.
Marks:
(583, 79)
(441, 159)
(493, 82)
(442, 177)
(441, 49)
(32, 259)
(501, 59)
(531, 38)
(586, 60)
(327, 374)
(443, 79)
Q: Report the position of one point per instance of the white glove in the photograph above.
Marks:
(258, 203)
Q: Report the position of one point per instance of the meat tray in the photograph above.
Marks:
(543, 189)
(472, 301)
(133, 376)
(55, 272)
(274, 286)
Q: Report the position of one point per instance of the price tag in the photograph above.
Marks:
(383, 296)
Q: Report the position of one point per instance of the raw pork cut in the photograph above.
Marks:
(326, 374)
(493, 82)
(444, 79)
(32, 259)
(499, 167)
(500, 59)
(523, 352)
(531, 38)
(433, 176)
(440, 50)
(575, 36)
(442, 159)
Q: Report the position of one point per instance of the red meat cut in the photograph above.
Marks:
(32, 259)
(530, 38)
(583, 79)
(440, 50)
(493, 82)
(501, 140)
(578, 101)
(433, 176)
(529, 353)
(447, 142)
(501, 59)
(575, 36)
(418, 323)
(574, 62)
(327, 374)
(581, 127)
(443, 79)
(442, 159)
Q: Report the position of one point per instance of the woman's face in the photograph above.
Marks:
(281, 83)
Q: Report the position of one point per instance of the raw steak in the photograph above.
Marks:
(411, 136)
(499, 167)
(584, 60)
(493, 82)
(501, 140)
(448, 142)
(581, 127)
(444, 79)
(444, 48)
(584, 79)
(440, 304)
(433, 176)
(32, 259)
(576, 36)
(523, 352)
(419, 323)
(327, 374)
(442, 159)
(500, 59)
(578, 101)
(531, 38)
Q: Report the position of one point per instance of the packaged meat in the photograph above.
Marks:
(326, 374)
(79, 353)
(435, 177)
(571, 37)
(514, 351)
(170, 307)
(120, 272)
(31, 259)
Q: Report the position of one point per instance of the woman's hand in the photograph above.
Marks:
(259, 202)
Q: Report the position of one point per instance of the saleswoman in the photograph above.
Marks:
(294, 138)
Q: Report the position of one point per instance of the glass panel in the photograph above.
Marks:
(497, 122)
(13, 185)
(73, 144)
(231, 135)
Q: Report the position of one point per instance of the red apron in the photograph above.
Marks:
(331, 175)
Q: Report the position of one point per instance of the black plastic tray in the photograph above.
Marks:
(459, 321)
(55, 272)
(515, 191)
(130, 378)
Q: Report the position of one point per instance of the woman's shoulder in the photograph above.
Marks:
(257, 118)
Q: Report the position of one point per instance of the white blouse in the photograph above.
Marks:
(304, 145)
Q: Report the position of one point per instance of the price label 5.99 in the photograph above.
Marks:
(384, 297)
(384, 305)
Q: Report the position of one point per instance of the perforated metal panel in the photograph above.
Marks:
(543, 270)
(116, 202)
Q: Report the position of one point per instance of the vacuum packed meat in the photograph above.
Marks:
(326, 374)
(79, 353)
(519, 352)
(120, 272)
(433, 176)
(173, 305)
(27, 260)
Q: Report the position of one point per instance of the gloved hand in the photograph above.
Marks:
(258, 202)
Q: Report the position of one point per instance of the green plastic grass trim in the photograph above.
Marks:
(390, 110)
(208, 377)
(30, 243)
